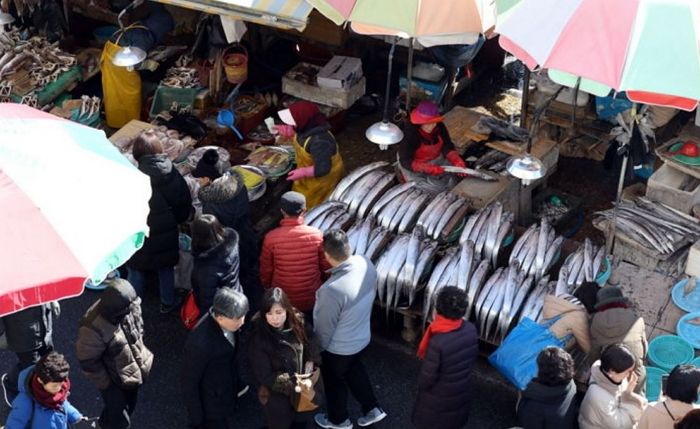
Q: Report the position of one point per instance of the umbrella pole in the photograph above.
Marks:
(525, 98)
(409, 75)
(612, 226)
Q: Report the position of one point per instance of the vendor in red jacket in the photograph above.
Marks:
(292, 255)
(426, 147)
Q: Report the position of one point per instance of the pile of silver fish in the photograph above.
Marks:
(537, 249)
(360, 189)
(655, 226)
(500, 301)
(487, 229)
(367, 239)
(329, 215)
(402, 266)
(460, 267)
(493, 160)
(582, 265)
(443, 208)
(181, 77)
(399, 208)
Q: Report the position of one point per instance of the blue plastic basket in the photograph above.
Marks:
(653, 382)
(604, 275)
(689, 302)
(667, 351)
(688, 331)
(696, 362)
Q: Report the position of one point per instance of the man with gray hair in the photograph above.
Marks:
(342, 324)
(209, 374)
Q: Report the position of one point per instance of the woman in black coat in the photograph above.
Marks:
(227, 199)
(549, 400)
(216, 261)
(170, 205)
(449, 349)
(280, 346)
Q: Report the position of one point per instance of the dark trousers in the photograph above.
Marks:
(225, 423)
(119, 405)
(341, 373)
(24, 360)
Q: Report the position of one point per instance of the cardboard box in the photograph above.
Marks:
(340, 72)
(340, 98)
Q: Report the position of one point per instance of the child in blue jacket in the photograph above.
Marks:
(42, 402)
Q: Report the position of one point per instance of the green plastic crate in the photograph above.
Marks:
(165, 96)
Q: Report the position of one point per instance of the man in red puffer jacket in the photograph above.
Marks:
(292, 255)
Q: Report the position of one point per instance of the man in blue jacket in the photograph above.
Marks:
(342, 324)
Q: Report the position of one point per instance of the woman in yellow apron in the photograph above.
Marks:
(319, 164)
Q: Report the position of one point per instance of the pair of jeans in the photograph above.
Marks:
(341, 373)
(119, 405)
(166, 280)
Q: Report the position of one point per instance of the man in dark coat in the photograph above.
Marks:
(449, 349)
(210, 379)
(170, 205)
(28, 334)
(227, 199)
(549, 400)
(112, 354)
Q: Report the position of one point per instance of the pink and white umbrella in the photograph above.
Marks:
(431, 22)
(73, 208)
(649, 48)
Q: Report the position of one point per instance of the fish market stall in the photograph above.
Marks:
(421, 244)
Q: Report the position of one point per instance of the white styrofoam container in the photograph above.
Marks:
(664, 186)
(692, 264)
(340, 72)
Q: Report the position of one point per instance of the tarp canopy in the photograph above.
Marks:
(286, 14)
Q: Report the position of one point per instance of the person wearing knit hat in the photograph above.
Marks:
(426, 148)
(615, 321)
(319, 164)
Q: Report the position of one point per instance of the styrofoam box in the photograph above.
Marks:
(664, 186)
(340, 72)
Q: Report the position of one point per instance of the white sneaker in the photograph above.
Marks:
(243, 391)
(374, 415)
(322, 420)
(3, 380)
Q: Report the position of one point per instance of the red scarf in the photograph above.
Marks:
(440, 325)
(52, 401)
(613, 305)
(306, 115)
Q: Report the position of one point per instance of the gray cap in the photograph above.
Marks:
(293, 203)
(230, 303)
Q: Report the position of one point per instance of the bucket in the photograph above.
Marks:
(236, 64)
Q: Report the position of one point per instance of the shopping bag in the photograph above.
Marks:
(189, 312)
(516, 357)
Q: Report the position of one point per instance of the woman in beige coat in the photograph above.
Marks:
(573, 320)
(610, 401)
(681, 393)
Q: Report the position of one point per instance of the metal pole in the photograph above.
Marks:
(385, 116)
(526, 96)
(610, 242)
(409, 75)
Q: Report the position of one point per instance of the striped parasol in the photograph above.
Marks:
(73, 208)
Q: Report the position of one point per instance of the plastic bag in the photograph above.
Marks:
(189, 312)
(516, 357)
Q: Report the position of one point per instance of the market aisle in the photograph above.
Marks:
(391, 365)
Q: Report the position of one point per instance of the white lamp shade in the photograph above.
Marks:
(129, 56)
(526, 167)
(384, 134)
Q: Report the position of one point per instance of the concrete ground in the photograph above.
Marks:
(391, 364)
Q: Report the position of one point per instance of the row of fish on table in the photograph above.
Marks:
(653, 225)
(405, 232)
